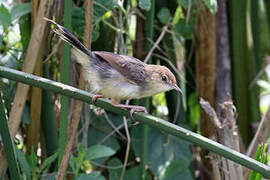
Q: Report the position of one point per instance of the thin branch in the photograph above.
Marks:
(177, 109)
(85, 128)
(164, 29)
(127, 149)
(158, 47)
(111, 167)
(111, 133)
(172, 66)
(188, 11)
(211, 112)
(262, 134)
(154, 122)
(113, 126)
(260, 73)
(55, 49)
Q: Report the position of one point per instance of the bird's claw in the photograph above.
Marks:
(137, 109)
(132, 108)
(95, 97)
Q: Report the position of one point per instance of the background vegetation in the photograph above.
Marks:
(219, 50)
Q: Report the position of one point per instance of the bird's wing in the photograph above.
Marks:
(130, 67)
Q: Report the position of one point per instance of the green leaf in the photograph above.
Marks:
(5, 17)
(133, 174)
(76, 162)
(78, 17)
(48, 161)
(98, 151)
(177, 170)
(212, 5)
(19, 10)
(1, 40)
(162, 150)
(49, 176)
(23, 164)
(25, 29)
(96, 175)
(32, 160)
(26, 117)
(145, 4)
(97, 135)
(184, 29)
(185, 3)
(264, 84)
(164, 15)
(100, 11)
(115, 174)
(194, 109)
(95, 33)
(77, 22)
(179, 14)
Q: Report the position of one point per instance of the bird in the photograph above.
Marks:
(118, 77)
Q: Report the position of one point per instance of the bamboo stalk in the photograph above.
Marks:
(240, 64)
(254, 59)
(48, 122)
(65, 79)
(152, 121)
(144, 127)
(267, 9)
(75, 119)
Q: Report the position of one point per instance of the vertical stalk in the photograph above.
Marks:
(253, 41)
(149, 35)
(64, 79)
(255, 29)
(239, 57)
(267, 8)
(33, 129)
(48, 121)
(75, 118)
(8, 144)
(205, 35)
(224, 79)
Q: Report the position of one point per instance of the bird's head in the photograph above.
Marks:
(161, 79)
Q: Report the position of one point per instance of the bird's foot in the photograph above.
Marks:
(95, 97)
(133, 108)
(138, 109)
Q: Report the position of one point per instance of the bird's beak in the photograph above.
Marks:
(177, 88)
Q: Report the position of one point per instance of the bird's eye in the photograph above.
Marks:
(164, 78)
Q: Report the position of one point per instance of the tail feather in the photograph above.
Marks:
(69, 37)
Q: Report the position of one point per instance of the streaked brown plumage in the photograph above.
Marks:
(118, 77)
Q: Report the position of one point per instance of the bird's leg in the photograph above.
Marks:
(133, 108)
(95, 97)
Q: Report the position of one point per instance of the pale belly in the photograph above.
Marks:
(119, 90)
(116, 87)
(124, 90)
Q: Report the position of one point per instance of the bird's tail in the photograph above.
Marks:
(81, 53)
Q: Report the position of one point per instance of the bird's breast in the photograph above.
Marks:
(110, 83)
